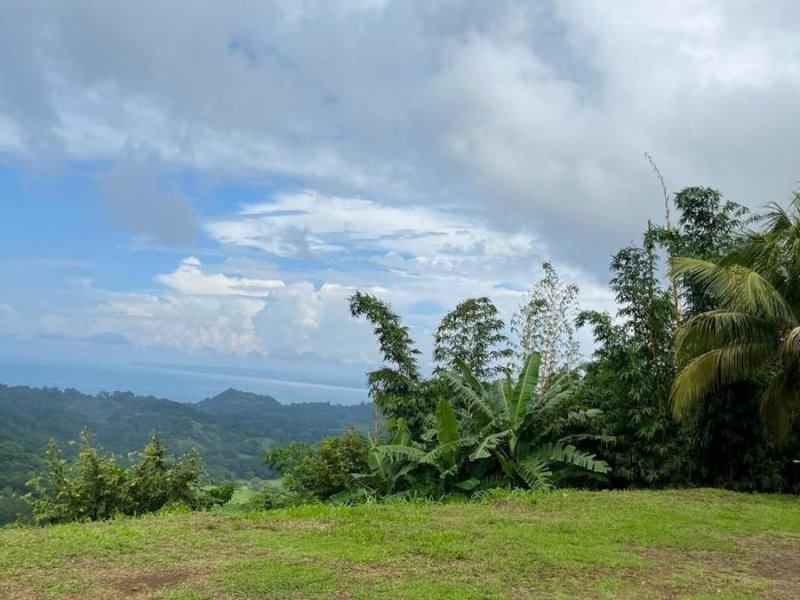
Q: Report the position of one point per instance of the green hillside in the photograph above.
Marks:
(231, 430)
(567, 544)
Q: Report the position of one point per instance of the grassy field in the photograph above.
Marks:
(681, 544)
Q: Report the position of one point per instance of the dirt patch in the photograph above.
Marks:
(779, 563)
(771, 564)
(150, 582)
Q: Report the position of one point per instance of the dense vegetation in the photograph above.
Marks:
(230, 431)
(695, 380)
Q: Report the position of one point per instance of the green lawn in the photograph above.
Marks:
(679, 544)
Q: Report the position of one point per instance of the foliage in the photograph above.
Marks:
(506, 435)
(486, 435)
(473, 333)
(717, 443)
(748, 330)
(231, 431)
(526, 428)
(754, 334)
(96, 487)
(545, 323)
(708, 228)
(394, 388)
(631, 371)
(326, 468)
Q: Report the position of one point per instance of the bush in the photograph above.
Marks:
(96, 487)
(321, 470)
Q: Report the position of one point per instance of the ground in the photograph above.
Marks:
(566, 544)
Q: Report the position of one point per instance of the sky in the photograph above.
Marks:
(205, 183)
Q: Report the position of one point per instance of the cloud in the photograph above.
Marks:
(185, 322)
(333, 225)
(190, 279)
(138, 201)
(532, 113)
(453, 146)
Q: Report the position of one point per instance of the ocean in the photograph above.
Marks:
(175, 382)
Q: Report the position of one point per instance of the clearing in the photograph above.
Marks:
(567, 544)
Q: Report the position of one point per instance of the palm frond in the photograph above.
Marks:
(720, 366)
(779, 404)
(448, 450)
(392, 452)
(712, 329)
(736, 287)
(790, 348)
(473, 397)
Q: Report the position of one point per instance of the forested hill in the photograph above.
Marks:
(231, 430)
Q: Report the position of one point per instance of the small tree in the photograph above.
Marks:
(90, 489)
(545, 323)
(395, 388)
(326, 468)
(473, 334)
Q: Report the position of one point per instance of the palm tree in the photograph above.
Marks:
(754, 334)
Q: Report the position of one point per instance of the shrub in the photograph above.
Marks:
(323, 469)
(95, 487)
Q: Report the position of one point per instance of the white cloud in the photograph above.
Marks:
(456, 145)
(190, 279)
(528, 112)
(187, 322)
(314, 224)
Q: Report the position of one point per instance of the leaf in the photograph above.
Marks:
(473, 397)
(568, 454)
(523, 392)
(488, 444)
(402, 436)
(534, 472)
(447, 422)
(466, 373)
(468, 484)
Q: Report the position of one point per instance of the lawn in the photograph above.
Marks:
(567, 544)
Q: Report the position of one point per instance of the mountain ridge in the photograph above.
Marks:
(230, 430)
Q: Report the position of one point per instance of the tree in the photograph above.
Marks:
(633, 368)
(753, 333)
(324, 469)
(473, 333)
(631, 371)
(545, 323)
(708, 228)
(394, 388)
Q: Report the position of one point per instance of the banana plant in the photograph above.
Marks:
(520, 428)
